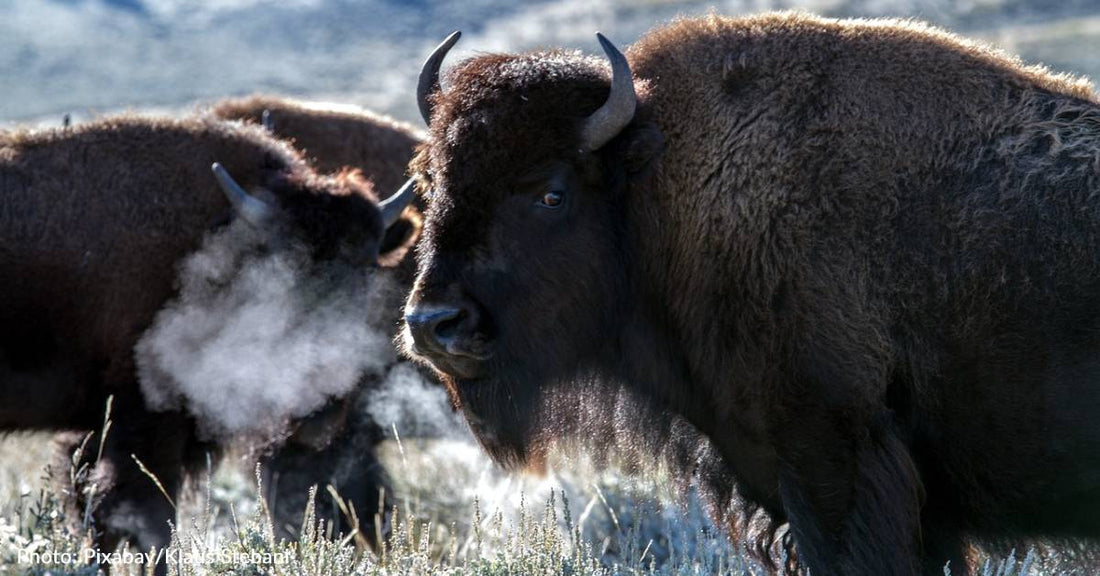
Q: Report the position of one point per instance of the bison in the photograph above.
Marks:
(94, 221)
(860, 257)
(336, 446)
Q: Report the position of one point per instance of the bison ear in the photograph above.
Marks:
(399, 238)
(641, 148)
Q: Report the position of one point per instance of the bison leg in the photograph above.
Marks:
(348, 463)
(359, 480)
(851, 493)
(130, 506)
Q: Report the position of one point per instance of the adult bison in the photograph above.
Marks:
(95, 221)
(861, 257)
(336, 445)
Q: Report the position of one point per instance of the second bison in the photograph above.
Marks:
(94, 224)
(337, 445)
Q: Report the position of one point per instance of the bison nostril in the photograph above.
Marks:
(446, 331)
(447, 328)
(430, 326)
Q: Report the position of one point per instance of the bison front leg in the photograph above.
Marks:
(128, 504)
(343, 457)
(850, 492)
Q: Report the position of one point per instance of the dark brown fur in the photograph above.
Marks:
(333, 138)
(862, 258)
(93, 223)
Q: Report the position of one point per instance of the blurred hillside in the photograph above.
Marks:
(87, 56)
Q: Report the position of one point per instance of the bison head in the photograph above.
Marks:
(333, 216)
(525, 267)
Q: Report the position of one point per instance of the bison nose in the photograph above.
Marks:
(430, 327)
(446, 331)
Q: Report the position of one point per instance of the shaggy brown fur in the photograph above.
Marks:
(93, 223)
(333, 138)
(862, 258)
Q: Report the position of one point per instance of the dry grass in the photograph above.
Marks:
(458, 515)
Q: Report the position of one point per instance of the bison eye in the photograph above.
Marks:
(551, 200)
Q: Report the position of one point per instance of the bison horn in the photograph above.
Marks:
(393, 206)
(606, 123)
(254, 211)
(267, 121)
(429, 75)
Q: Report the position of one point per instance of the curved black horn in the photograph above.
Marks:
(429, 75)
(606, 123)
(254, 211)
(393, 206)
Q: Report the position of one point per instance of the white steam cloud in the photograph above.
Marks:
(415, 406)
(256, 338)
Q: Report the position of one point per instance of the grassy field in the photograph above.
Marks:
(457, 515)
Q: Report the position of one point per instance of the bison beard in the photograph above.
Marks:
(496, 417)
(519, 420)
